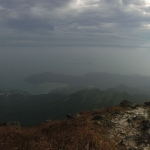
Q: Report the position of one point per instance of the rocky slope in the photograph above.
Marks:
(131, 128)
(123, 127)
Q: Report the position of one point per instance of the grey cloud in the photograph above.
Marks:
(64, 16)
(20, 4)
(30, 24)
(133, 2)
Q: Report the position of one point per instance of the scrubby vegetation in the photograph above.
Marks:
(80, 133)
(113, 128)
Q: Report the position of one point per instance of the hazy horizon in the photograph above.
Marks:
(73, 37)
(19, 63)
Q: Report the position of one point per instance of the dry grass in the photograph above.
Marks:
(77, 134)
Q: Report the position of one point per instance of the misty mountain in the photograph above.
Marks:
(128, 89)
(33, 109)
(70, 89)
(119, 88)
(52, 77)
(95, 79)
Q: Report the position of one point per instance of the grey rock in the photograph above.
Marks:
(48, 120)
(126, 103)
(13, 124)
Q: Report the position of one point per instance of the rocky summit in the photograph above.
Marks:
(132, 128)
(122, 127)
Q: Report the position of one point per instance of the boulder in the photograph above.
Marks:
(147, 103)
(146, 124)
(13, 124)
(69, 116)
(126, 103)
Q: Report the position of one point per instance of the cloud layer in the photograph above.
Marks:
(56, 19)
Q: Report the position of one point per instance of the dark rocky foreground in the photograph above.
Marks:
(123, 127)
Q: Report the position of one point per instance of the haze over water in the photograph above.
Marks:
(19, 63)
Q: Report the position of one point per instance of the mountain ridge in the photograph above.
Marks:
(53, 106)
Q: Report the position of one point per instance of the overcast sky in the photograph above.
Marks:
(74, 36)
(32, 21)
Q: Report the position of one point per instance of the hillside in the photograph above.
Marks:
(116, 128)
(30, 110)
